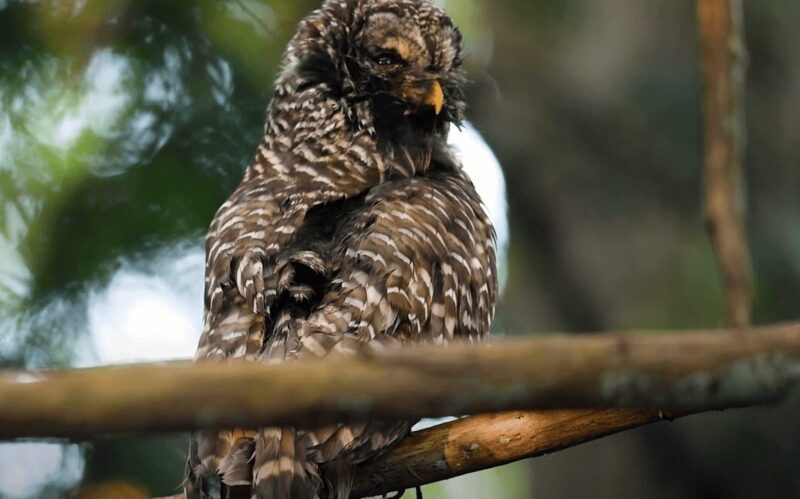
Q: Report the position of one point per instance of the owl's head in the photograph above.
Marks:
(409, 53)
(404, 56)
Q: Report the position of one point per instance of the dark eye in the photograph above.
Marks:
(387, 59)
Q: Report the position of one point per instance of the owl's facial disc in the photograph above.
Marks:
(418, 88)
(408, 63)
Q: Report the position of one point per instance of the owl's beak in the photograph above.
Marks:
(435, 97)
(426, 93)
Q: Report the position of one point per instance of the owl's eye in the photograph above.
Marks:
(387, 59)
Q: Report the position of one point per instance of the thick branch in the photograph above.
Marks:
(688, 371)
(722, 56)
(481, 442)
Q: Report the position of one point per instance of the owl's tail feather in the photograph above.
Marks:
(339, 476)
(219, 464)
(281, 469)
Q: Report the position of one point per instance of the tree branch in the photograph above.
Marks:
(480, 442)
(722, 56)
(685, 371)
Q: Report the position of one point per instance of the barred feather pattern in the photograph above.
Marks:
(353, 228)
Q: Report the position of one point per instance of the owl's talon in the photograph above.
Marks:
(258, 304)
(249, 277)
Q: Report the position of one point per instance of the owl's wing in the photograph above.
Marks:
(249, 261)
(418, 265)
(247, 233)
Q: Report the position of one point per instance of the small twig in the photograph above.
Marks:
(722, 55)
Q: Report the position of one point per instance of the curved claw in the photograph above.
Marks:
(250, 279)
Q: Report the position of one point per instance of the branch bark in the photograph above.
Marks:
(480, 442)
(722, 60)
(685, 371)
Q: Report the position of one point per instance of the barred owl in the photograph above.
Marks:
(353, 228)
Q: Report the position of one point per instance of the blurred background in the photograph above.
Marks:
(124, 124)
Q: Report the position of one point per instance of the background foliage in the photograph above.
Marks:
(124, 124)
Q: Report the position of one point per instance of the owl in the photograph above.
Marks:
(354, 228)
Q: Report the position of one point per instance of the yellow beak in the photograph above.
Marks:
(435, 97)
(424, 93)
